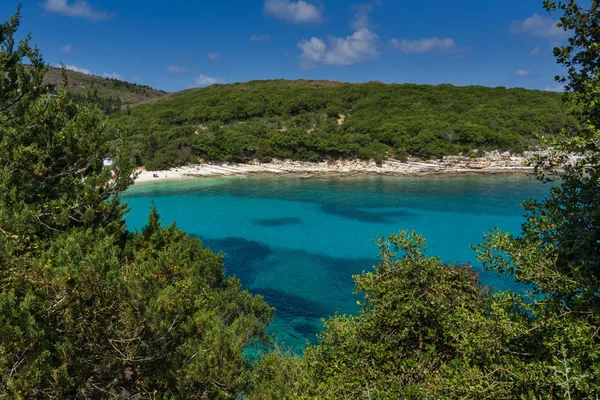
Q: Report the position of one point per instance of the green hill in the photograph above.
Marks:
(315, 120)
(111, 94)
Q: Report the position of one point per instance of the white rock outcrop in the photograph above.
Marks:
(492, 162)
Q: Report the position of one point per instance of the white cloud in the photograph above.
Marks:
(535, 52)
(540, 27)
(361, 19)
(77, 9)
(523, 72)
(423, 45)
(298, 12)
(259, 38)
(313, 51)
(67, 48)
(204, 80)
(175, 69)
(114, 75)
(361, 46)
(74, 68)
(213, 56)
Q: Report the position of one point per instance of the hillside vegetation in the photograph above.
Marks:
(316, 120)
(109, 94)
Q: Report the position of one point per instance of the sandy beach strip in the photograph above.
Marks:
(490, 163)
(148, 176)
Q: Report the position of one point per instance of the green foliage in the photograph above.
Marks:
(410, 328)
(558, 252)
(88, 309)
(581, 56)
(315, 120)
(105, 90)
(51, 152)
(108, 105)
(428, 330)
(18, 85)
(542, 342)
(153, 313)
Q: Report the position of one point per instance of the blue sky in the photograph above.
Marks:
(178, 44)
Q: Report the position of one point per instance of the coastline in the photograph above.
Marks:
(489, 163)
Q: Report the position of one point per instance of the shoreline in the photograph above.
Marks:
(489, 164)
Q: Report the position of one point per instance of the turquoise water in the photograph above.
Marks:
(299, 241)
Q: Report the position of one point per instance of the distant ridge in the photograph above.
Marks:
(130, 94)
(308, 120)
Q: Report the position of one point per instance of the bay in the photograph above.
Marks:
(299, 241)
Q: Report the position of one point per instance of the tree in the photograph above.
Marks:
(558, 252)
(459, 342)
(19, 85)
(51, 152)
(88, 309)
(412, 325)
(581, 56)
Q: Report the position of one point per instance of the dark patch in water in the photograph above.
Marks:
(308, 330)
(289, 306)
(241, 255)
(273, 222)
(376, 217)
(246, 259)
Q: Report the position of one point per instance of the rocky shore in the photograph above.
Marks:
(489, 163)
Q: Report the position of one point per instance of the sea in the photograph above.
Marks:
(298, 242)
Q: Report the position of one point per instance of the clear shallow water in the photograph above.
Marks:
(299, 241)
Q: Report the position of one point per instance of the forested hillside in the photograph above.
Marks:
(315, 120)
(111, 95)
